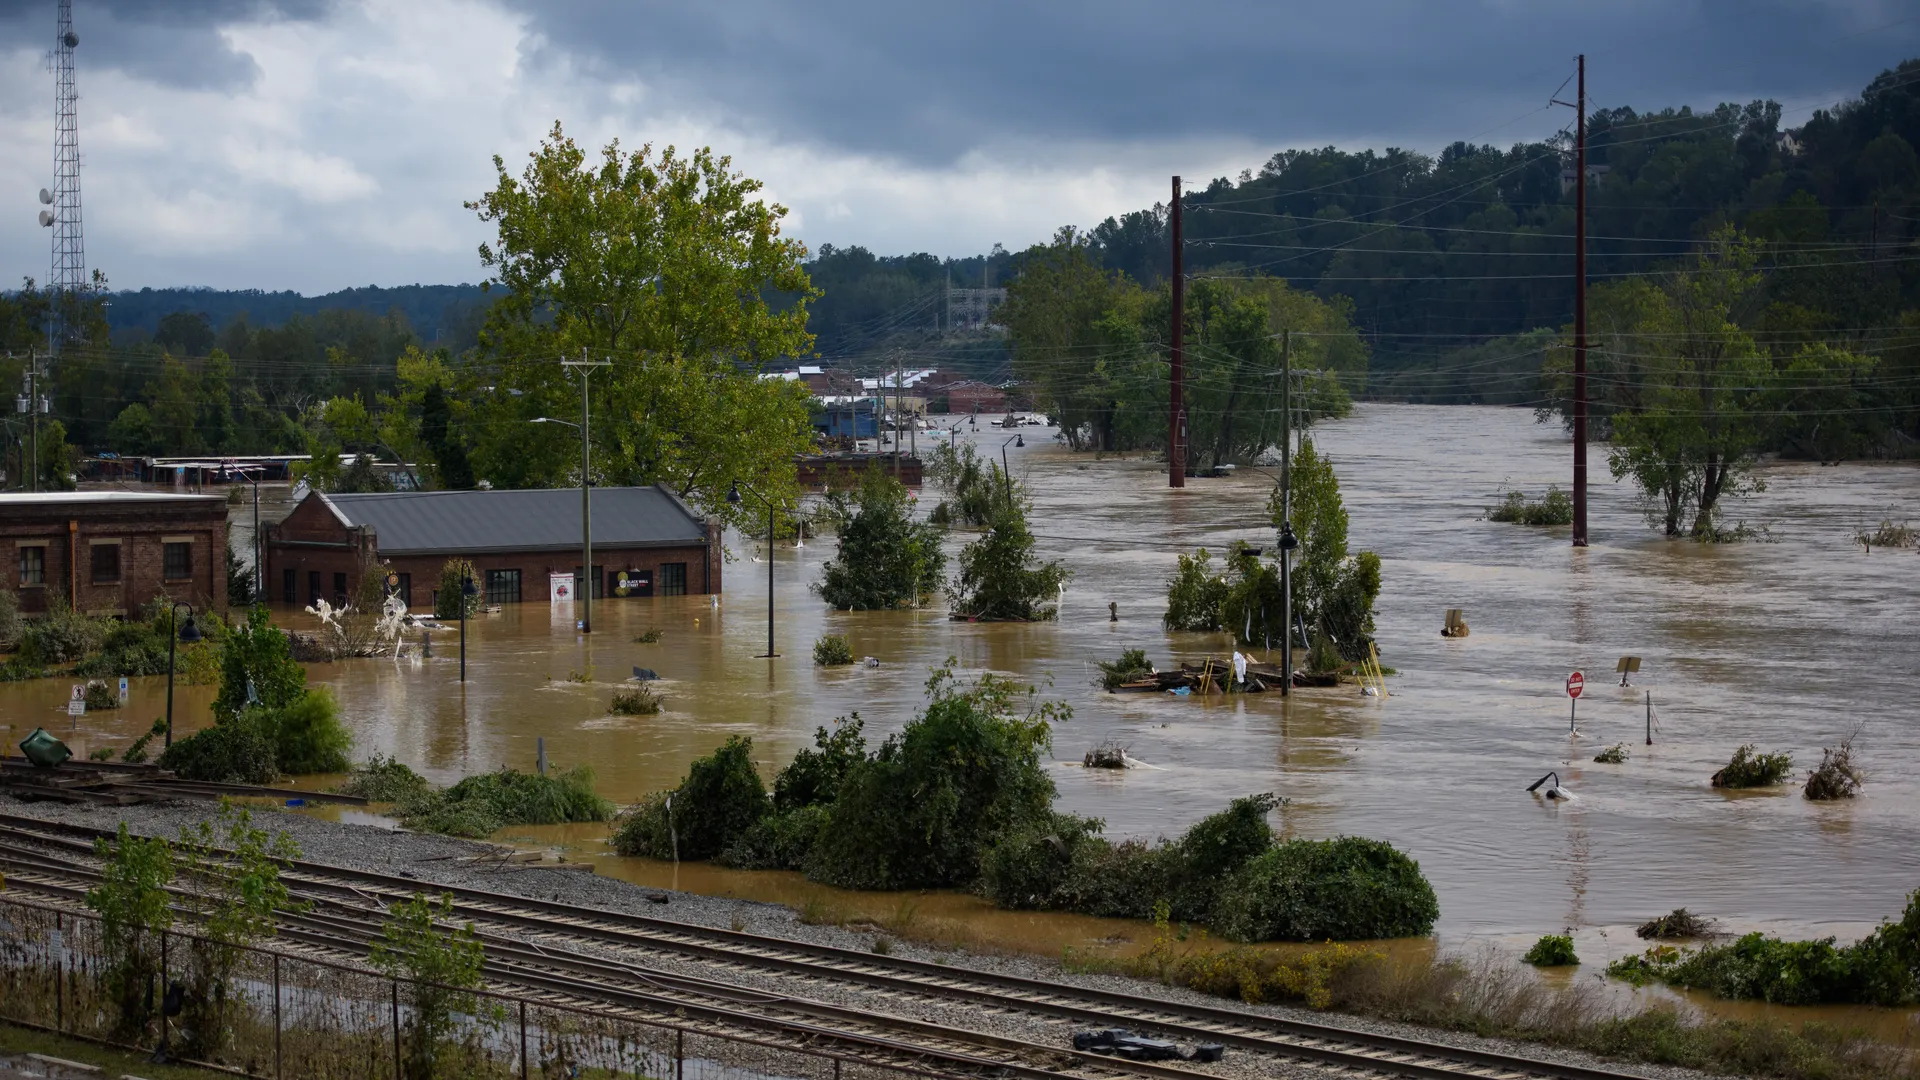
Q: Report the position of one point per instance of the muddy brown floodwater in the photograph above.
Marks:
(1793, 645)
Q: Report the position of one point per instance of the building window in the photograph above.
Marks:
(673, 579)
(503, 586)
(176, 562)
(106, 564)
(313, 588)
(290, 585)
(339, 590)
(33, 565)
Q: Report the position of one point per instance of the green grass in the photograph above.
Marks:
(110, 1060)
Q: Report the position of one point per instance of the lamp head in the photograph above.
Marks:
(468, 588)
(189, 633)
(1019, 440)
(1288, 541)
(733, 496)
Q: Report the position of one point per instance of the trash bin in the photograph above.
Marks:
(43, 749)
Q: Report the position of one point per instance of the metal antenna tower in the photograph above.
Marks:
(69, 273)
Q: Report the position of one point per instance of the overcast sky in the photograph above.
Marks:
(318, 144)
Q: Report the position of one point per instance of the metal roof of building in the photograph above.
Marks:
(53, 498)
(536, 520)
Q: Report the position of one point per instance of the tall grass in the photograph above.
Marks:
(479, 806)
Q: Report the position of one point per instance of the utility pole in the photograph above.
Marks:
(1177, 400)
(33, 402)
(1580, 314)
(585, 367)
(896, 414)
(1286, 510)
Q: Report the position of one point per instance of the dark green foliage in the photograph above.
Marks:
(1552, 950)
(923, 808)
(1333, 592)
(1612, 755)
(1131, 665)
(131, 649)
(1033, 866)
(1749, 768)
(235, 751)
(885, 558)
(970, 483)
(62, 635)
(1678, 923)
(1556, 508)
(813, 777)
(448, 594)
(137, 752)
(779, 841)
(257, 654)
(1345, 889)
(1244, 599)
(1836, 777)
(1000, 578)
(384, 779)
(720, 799)
(135, 911)
(1194, 593)
(832, 650)
(1882, 968)
(11, 625)
(101, 696)
(482, 805)
(239, 576)
(307, 734)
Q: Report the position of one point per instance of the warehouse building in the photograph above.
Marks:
(110, 552)
(646, 542)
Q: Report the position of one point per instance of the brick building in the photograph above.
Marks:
(109, 552)
(646, 542)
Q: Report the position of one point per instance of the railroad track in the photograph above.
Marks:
(912, 980)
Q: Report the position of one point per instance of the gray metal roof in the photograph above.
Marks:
(421, 522)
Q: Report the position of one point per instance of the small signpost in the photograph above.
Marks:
(77, 704)
(1576, 682)
(123, 688)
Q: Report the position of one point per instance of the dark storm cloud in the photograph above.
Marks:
(174, 43)
(929, 82)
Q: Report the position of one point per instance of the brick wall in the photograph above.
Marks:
(67, 533)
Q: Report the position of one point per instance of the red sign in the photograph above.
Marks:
(1575, 683)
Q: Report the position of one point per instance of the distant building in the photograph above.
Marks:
(970, 396)
(646, 542)
(819, 472)
(1787, 144)
(1595, 174)
(110, 552)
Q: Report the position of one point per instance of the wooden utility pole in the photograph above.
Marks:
(1177, 401)
(1286, 510)
(1580, 313)
(585, 367)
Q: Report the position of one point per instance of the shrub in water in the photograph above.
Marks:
(1836, 777)
(1032, 867)
(479, 806)
(1131, 665)
(1679, 923)
(1750, 768)
(448, 595)
(886, 559)
(101, 696)
(130, 649)
(720, 799)
(1555, 509)
(1000, 578)
(384, 779)
(1552, 950)
(639, 701)
(1194, 594)
(1345, 889)
(257, 658)
(832, 650)
(234, 751)
(62, 635)
(813, 777)
(779, 841)
(1612, 755)
(307, 734)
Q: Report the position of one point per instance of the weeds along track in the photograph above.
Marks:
(545, 958)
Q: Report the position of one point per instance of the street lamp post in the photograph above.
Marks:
(189, 634)
(259, 571)
(733, 499)
(468, 590)
(586, 516)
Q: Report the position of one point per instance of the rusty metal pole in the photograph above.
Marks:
(276, 1017)
(523, 1040)
(1580, 314)
(60, 977)
(396, 1030)
(1177, 400)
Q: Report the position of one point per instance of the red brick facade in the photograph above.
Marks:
(109, 552)
(316, 555)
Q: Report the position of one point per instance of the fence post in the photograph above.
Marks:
(60, 976)
(523, 1040)
(396, 1029)
(276, 1016)
(836, 1069)
(679, 1054)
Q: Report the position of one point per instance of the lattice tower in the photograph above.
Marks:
(68, 278)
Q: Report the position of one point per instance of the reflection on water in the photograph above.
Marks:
(1792, 645)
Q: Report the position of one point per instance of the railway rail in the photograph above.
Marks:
(557, 925)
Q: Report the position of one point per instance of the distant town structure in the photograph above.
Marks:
(653, 544)
(110, 552)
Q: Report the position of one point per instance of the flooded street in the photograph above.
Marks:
(1792, 645)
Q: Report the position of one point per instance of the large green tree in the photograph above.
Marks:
(662, 265)
(886, 559)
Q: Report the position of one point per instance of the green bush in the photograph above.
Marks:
(1034, 866)
(1000, 578)
(1131, 665)
(638, 701)
(720, 799)
(832, 650)
(1345, 889)
(1612, 755)
(779, 841)
(62, 636)
(969, 482)
(1552, 950)
(885, 558)
(130, 649)
(814, 775)
(1749, 768)
(482, 805)
(1556, 508)
(234, 751)
(920, 811)
(447, 595)
(307, 734)
(257, 667)
(101, 696)
(136, 752)
(384, 779)
(1194, 594)
(11, 625)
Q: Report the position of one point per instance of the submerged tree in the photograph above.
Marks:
(1333, 593)
(1000, 577)
(886, 559)
(1244, 599)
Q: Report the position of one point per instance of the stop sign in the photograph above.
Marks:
(1575, 683)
